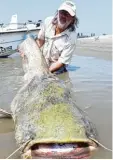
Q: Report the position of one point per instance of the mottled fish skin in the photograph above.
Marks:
(43, 109)
(34, 62)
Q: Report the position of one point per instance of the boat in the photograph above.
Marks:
(14, 26)
(5, 52)
(13, 33)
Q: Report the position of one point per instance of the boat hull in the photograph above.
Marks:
(10, 40)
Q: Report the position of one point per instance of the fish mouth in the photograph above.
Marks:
(76, 150)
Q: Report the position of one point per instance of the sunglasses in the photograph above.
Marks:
(64, 13)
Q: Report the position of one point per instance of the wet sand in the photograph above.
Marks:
(91, 83)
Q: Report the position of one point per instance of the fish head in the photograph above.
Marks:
(60, 136)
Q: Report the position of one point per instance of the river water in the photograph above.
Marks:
(91, 80)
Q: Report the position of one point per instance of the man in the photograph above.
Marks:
(57, 37)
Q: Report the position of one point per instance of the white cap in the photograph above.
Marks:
(68, 6)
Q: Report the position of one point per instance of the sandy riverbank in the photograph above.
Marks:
(100, 47)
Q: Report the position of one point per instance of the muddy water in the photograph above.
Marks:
(91, 81)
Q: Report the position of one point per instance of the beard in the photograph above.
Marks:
(63, 24)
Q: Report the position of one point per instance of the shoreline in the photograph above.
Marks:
(99, 47)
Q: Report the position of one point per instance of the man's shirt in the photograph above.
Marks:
(58, 47)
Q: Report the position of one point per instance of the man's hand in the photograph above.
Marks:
(22, 54)
(40, 42)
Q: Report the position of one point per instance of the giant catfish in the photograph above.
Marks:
(46, 117)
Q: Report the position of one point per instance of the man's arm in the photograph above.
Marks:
(55, 66)
(67, 53)
(41, 36)
(64, 59)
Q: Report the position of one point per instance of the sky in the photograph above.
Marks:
(95, 16)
